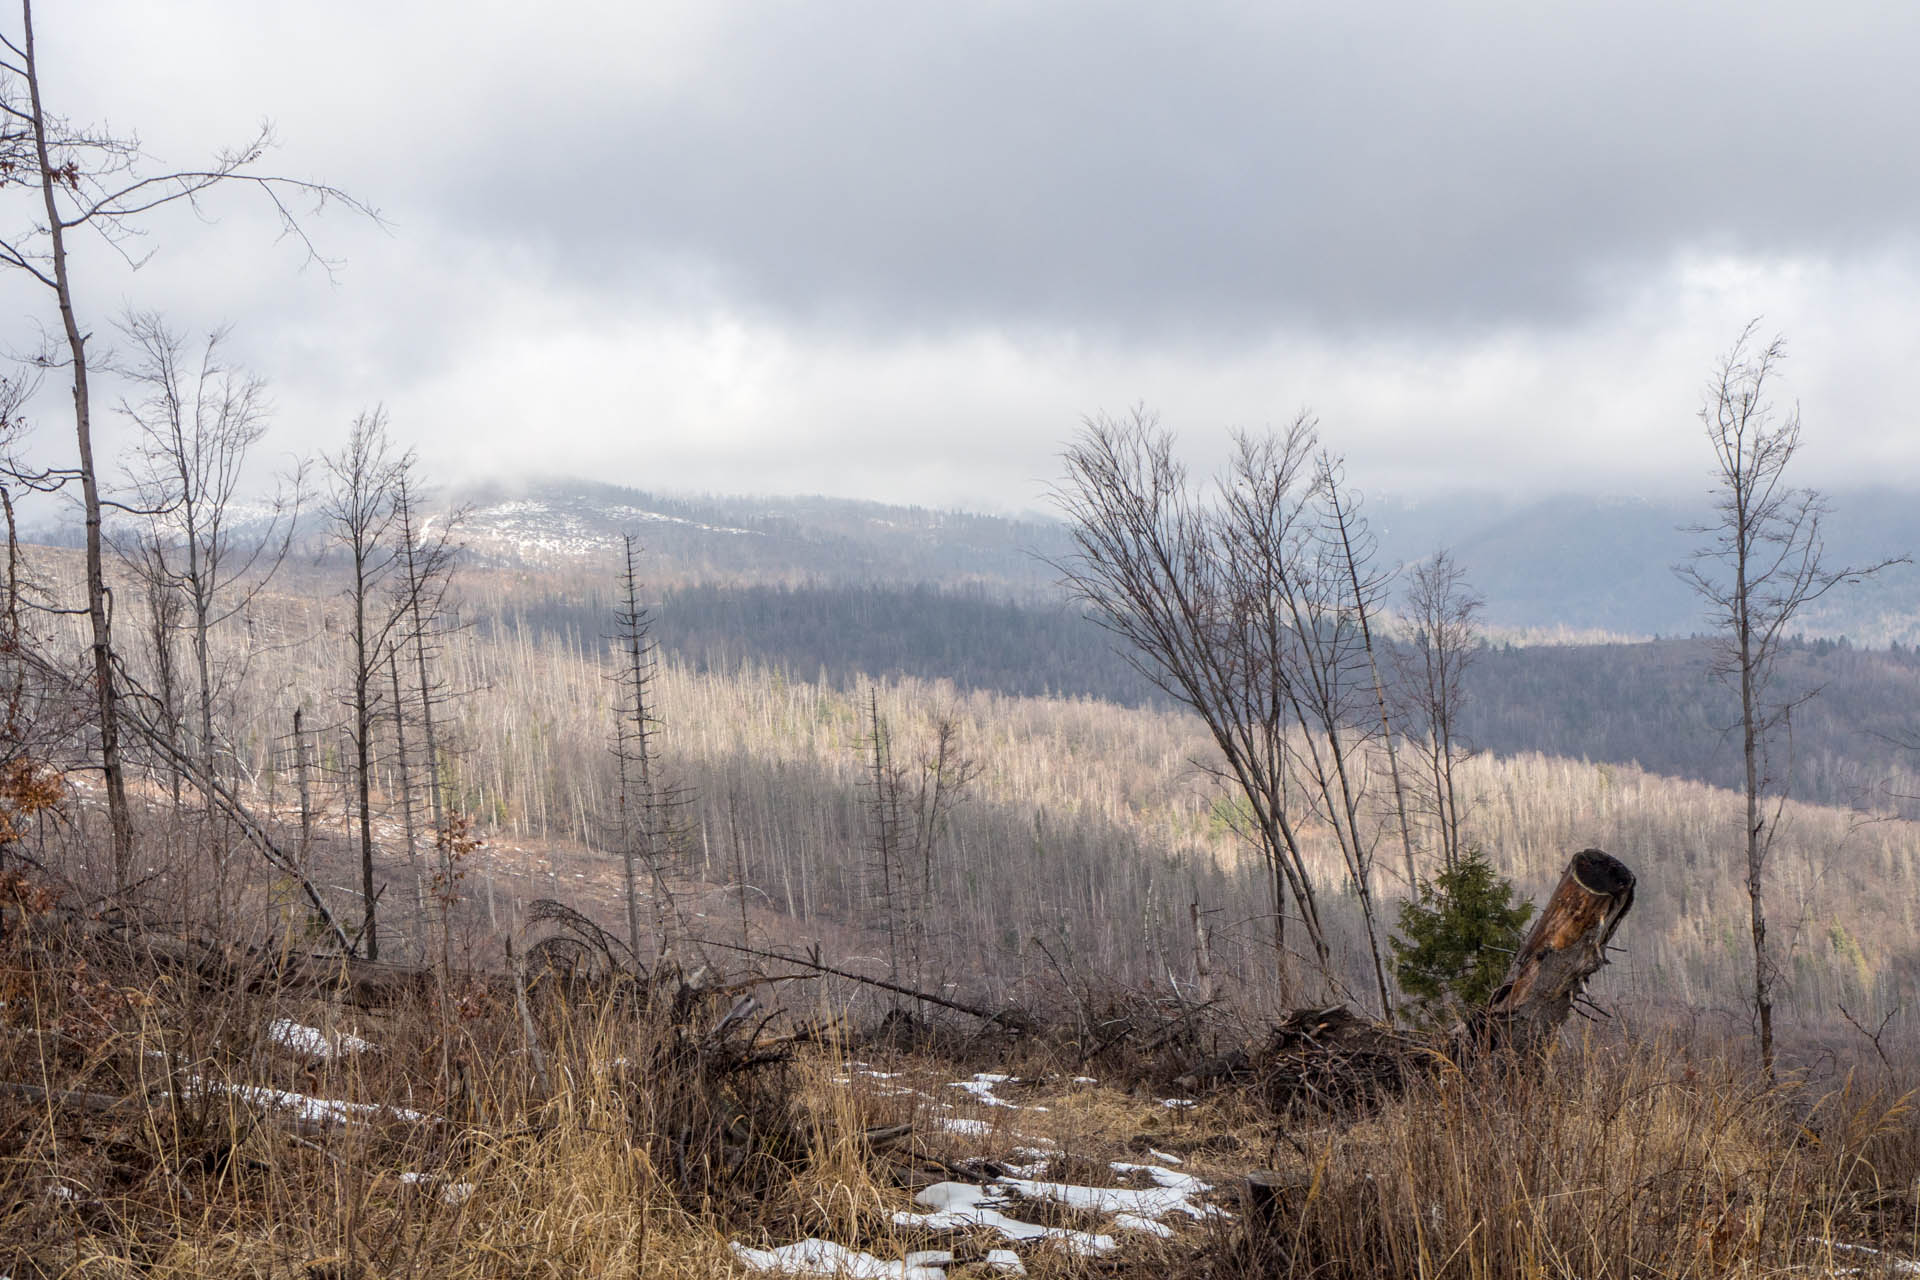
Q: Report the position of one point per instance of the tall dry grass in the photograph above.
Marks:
(1619, 1156)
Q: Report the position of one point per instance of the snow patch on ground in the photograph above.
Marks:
(1893, 1265)
(965, 1128)
(453, 1194)
(1140, 1202)
(955, 1205)
(313, 1042)
(816, 1257)
(981, 1087)
(1172, 1179)
(316, 1110)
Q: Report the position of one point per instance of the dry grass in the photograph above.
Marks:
(1624, 1157)
(647, 1150)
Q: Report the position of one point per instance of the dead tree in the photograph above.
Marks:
(198, 419)
(1347, 527)
(1323, 649)
(425, 574)
(1762, 564)
(647, 806)
(1443, 612)
(358, 508)
(905, 821)
(1200, 611)
(886, 829)
(87, 179)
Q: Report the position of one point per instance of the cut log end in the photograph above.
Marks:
(1599, 872)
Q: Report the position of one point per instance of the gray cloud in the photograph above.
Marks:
(1164, 169)
(898, 250)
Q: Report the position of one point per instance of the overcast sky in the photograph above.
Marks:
(899, 250)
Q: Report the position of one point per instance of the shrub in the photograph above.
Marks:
(1456, 937)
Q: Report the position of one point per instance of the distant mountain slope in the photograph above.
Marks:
(763, 539)
(1580, 563)
(1576, 562)
(1607, 563)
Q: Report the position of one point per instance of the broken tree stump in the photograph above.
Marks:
(1566, 946)
(1337, 1059)
(1272, 1201)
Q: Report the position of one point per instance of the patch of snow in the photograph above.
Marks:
(1176, 1102)
(966, 1128)
(817, 1257)
(1185, 1183)
(453, 1194)
(1085, 1080)
(955, 1205)
(317, 1110)
(1898, 1266)
(1152, 1226)
(981, 1087)
(1164, 1158)
(313, 1042)
(1147, 1202)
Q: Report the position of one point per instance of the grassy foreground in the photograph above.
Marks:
(156, 1124)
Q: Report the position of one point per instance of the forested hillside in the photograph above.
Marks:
(1653, 703)
(1091, 829)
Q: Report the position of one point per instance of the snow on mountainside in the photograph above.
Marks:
(537, 528)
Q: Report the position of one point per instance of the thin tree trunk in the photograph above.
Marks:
(407, 826)
(363, 762)
(1756, 853)
(306, 792)
(119, 816)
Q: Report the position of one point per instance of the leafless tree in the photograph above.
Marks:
(425, 574)
(1347, 527)
(1319, 656)
(87, 179)
(1762, 563)
(1443, 612)
(887, 833)
(198, 419)
(907, 809)
(1197, 595)
(358, 506)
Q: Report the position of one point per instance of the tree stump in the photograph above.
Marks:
(1566, 946)
(1271, 1202)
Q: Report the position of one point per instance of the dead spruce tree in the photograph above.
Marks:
(423, 577)
(1346, 528)
(647, 807)
(79, 178)
(1763, 562)
(906, 815)
(886, 831)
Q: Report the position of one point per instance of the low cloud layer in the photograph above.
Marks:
(898, 252)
